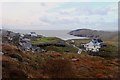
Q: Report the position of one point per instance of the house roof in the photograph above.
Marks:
(95, 42)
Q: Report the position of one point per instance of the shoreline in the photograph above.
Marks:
(62, 34)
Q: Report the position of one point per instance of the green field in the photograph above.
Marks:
(54, 40)
(61, 49)
(46, 40)
(78, 42)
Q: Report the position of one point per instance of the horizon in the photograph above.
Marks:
(55, 29)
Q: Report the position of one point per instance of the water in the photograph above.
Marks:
(63, 34)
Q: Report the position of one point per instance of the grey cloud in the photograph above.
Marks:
(87, 11)
(42, 4)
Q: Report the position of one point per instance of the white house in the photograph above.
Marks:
(94, 45)
(33, 34)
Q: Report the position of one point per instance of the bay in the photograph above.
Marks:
(62, 34)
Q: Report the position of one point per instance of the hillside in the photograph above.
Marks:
(106, 35)
(54, 44)
(58, 61)
(18, 64)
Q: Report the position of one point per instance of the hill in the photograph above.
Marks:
(57, 61)
(106, 35)
(18, 64)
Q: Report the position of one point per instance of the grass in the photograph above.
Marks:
(50, 65)
(61, 49)
(46, 40)
(54, 40)
(43, 65)
(109, 52)
(78, 42)
(59, 68)
(17, 56)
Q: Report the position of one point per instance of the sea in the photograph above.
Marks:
(62, 34)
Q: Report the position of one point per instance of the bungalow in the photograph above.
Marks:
(94, 45)
(33, 34)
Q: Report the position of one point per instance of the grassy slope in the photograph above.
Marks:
(45, 40)
(78, 42)
(52, 40)
(53, 64)
(61, 49)
(109, 52)
(102, 34)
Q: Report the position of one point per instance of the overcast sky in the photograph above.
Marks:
(60, 15)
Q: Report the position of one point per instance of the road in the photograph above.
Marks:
(79, 50)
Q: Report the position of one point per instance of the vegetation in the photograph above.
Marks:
(60, 61)
(109, 52)
(56, 65)
(59, 68)
(16, 56)
(61, 49)
(105, 35)
(78, 42)
(54, 40)
(46, 40)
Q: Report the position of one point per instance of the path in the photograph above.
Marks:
(79, 50)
